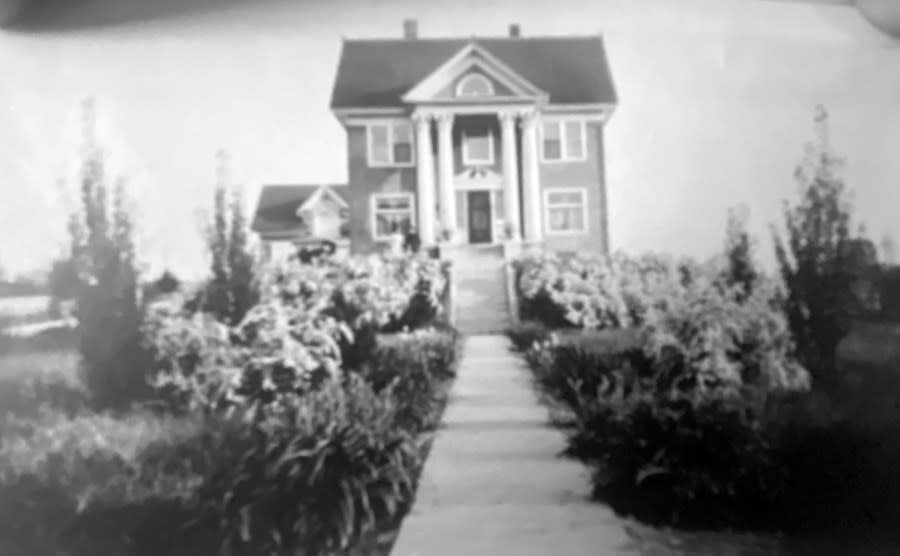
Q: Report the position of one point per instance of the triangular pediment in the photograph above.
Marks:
(473, 75)
(322, 195)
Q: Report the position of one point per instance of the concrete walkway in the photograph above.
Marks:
(494, 484)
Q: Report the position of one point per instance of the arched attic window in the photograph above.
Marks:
(474, 85)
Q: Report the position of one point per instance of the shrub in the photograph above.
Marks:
(679, 459)
(233, 287)
(416, 366)
(740, 270)
(322, 471)
(525, 334)
(569, 291)
(819, 261)
(320, 475)
(108, 308)
(672, 417)
(889, 292)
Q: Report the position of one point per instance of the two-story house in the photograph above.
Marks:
(476, 140)
(467, 140)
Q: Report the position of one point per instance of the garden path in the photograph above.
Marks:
(493, 483)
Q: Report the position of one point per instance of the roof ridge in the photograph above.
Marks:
(474, 38)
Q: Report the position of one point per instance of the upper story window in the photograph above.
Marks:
(390, 144)
(474, 85)
(478, 148)
(563, 141)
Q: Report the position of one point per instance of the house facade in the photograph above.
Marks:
(476, 140)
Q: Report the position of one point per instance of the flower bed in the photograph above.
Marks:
(594, 291)
(266, 443)
(695, 413)
(668, 386)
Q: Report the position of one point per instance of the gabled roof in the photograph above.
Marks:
(376, 73)
(469, 57)
(276, 211)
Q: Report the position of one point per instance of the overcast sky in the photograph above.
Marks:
(716, 101)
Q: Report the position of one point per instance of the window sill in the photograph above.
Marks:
(564, 161)
(391, 165)
(571, 233)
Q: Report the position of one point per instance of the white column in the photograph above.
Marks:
(532, 179)
(445, 171)
(424, 178)
(510, 174)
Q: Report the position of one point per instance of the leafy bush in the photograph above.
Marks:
(570, 291)
(889, 293)
(679, 458)
(525, 334)
(673, 414)
(821, 262)
(313, 322)
(600, 292)
(740, 270)
(416, 366)
(320, 474)
(322, 471)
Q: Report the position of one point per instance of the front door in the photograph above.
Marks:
(479, 216)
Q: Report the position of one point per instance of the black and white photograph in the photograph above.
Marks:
(449, 277)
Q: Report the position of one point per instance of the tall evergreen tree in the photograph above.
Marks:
(232, 288)
(740, 263)
(817, 258)
(102, 257)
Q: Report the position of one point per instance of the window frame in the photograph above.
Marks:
(373, 209)
(389, 126)
(466, 157)
(472, 77)
(582, 192)
(565, 156)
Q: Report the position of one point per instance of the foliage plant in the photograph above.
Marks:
(670, 412)
(579, 291)
(820, 259)
(102, 261)
(268, 444)
(525, 334)
(740, 267)
(233, 287)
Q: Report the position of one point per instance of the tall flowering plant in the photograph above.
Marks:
(581, 290)
(290, 342)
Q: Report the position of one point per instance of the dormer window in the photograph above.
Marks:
(475, 85)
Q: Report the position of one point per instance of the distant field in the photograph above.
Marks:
(23, 310)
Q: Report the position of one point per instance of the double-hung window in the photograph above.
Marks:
(391, 213)
(563, 141)
(565, 211)
(390, 144)
(478, 147)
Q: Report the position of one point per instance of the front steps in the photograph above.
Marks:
(481, 305)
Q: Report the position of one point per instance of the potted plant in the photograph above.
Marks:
(447, 234)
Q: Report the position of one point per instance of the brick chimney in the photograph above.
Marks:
(410, 29)
(515, 31)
